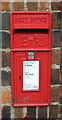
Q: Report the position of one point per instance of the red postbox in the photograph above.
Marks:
(30, 58)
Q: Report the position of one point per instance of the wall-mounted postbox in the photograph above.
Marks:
(30, 58)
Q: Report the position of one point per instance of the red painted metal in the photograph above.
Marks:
(30, 31)
(28, 35)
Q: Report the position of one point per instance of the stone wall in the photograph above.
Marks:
(54, 110)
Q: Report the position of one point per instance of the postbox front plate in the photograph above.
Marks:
(30, 96)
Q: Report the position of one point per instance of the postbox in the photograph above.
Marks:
(30, 57)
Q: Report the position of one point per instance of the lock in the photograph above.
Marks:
(30, 55)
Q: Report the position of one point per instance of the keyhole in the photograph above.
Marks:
(26, 98)
(19, 77)
(31, 54)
